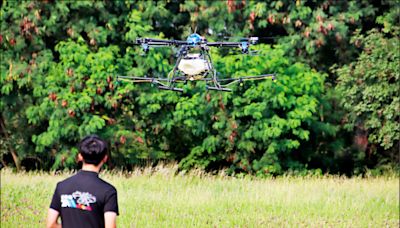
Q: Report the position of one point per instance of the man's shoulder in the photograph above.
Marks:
(67, 180)
(88, 182)
(107, 185)
(67, 183)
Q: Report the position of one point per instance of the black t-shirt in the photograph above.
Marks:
(83, 199)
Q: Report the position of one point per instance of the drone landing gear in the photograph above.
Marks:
(218, 89)
(171, 88)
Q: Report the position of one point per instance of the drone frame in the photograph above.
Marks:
(209, 76)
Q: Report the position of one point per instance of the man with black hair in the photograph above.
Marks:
(85, 200)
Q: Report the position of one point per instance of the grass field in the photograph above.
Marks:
(160, 198)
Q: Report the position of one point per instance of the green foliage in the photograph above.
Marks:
(370, 88)
(259, 126)
(60, 59)
(317, 32)
(81, 81)
(29, 73)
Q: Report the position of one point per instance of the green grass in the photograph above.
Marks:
(159, 198)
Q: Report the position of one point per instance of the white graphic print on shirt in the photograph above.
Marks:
(80, 200)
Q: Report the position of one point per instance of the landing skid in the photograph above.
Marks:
(216, 84)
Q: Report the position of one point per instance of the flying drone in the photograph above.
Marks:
(194, 63)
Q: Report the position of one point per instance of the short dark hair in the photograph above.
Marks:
(93, 149)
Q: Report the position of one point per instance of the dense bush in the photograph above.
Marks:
(370, 90)
(60, 59)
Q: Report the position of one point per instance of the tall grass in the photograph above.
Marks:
(158, 197)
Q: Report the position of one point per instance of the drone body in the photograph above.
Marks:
(194, 63)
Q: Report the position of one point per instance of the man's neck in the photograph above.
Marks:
(91, 167)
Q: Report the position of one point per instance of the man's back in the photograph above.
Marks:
(83, 199)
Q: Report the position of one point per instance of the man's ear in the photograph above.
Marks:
(105, 159)
(80, 158)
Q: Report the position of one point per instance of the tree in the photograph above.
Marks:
(370, 88)
(59, 60)
(29, 33)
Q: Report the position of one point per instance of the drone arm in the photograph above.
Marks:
(244, 45)
(224, 44)
(230, 81)
(159, 42)
(150, 79)
(158, 81)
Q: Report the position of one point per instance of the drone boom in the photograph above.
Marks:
(151, 41)
(224, 44)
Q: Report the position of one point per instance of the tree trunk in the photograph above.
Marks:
(3, 163)
(12, 151)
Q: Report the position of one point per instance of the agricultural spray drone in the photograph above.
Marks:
(194, 63)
